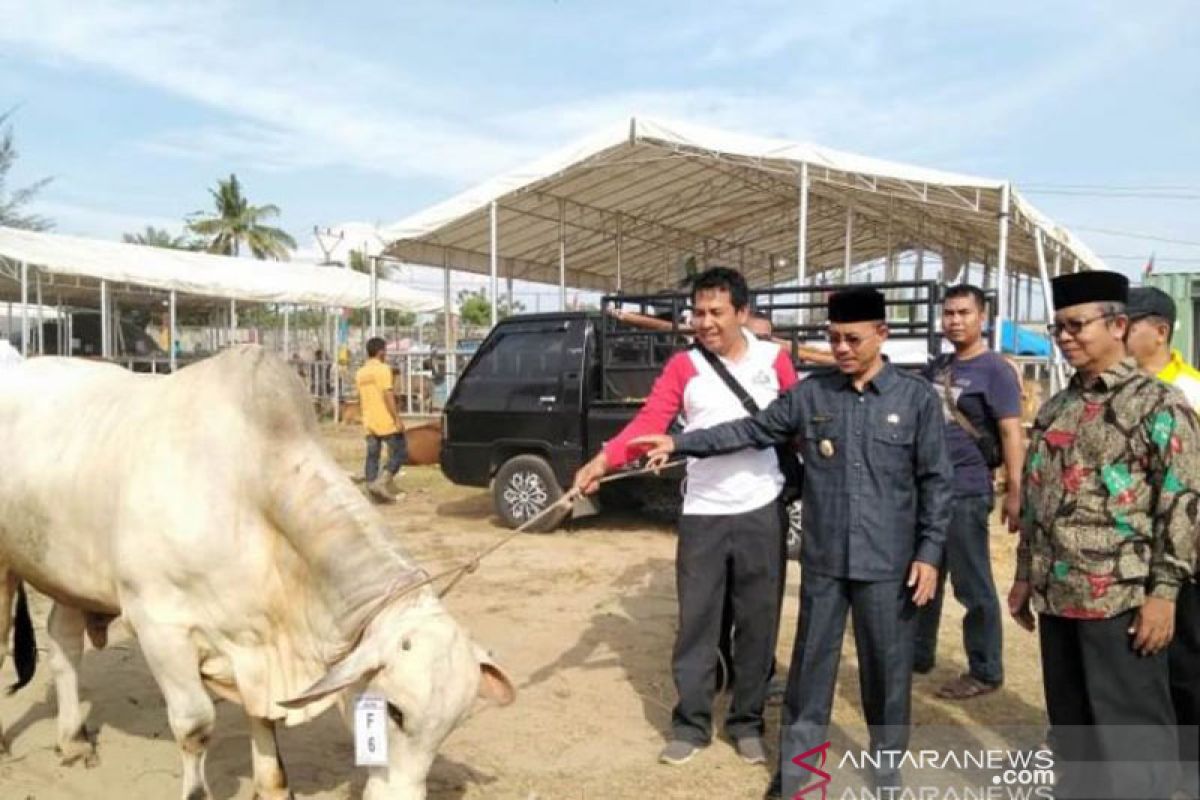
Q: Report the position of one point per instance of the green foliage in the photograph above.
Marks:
(12, 202)
(237, 223)
(161, 237)
(474, 307)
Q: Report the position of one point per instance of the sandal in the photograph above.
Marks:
(964, 687)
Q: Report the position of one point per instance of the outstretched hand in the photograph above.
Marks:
(587, 479)
(658, 447)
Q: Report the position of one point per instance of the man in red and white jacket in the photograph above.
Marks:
(732, 526)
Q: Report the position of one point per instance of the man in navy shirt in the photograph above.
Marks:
(981, 400)
(876, 500)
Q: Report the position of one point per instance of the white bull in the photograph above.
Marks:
(203, 508)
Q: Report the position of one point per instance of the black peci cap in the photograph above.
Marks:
(1089, 287)
(857, 305)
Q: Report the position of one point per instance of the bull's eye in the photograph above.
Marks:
(397, 716)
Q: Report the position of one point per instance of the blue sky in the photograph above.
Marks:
(370, 111)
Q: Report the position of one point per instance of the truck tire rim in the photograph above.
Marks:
(525, 495)
(793, 520)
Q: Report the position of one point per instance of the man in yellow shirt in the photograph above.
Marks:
(379, 417)
(1151, 322)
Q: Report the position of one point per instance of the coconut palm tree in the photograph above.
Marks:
(237, 223)
(160, 237)
(11, 203)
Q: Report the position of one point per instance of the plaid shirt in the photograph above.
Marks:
(1110, 501)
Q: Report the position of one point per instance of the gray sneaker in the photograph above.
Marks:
(751, 750)
(678, 752)
(378, 490)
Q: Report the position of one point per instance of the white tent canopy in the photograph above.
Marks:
(64, 262)
(619, 210)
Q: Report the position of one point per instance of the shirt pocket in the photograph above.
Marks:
(822, 445)
(892, 448)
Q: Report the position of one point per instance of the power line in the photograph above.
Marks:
(1131, 235)
(1157, 258)
(1112, 187)
(1116, 193)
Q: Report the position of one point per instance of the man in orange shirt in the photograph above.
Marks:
(379, 418)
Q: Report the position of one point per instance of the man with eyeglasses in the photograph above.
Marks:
(876, 503)
(1109, 512)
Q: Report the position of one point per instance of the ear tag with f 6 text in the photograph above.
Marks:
(370, 731)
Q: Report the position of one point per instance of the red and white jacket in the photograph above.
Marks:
(733, 483)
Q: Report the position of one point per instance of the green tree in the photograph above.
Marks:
(237, 223)
(161, 237)
(12, 202)
(474, 307)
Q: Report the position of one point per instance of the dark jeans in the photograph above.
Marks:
(970, 566)
(725, 646)
(1110, 710)
(1183, 660)
(397, 454)
(747, 552)
(884, 622)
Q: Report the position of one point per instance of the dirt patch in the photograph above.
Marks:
(583, 620)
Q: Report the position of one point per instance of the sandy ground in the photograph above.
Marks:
(582, 620)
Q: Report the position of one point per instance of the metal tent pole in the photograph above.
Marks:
(287, 338)
(446, 326)
(233, 322)
(173, 332)
(849, 251)
(1001, 269)
(1058, 377)
(105, 345)
(1029, 297)
(374, 295)
(562, 256)
(41, 319)
(24, 309)
(802, 228)
(619, 254)
(494, 242)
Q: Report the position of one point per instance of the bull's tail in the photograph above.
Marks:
(24, 642)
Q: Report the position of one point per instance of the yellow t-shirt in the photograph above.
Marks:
(373, 379)
(1184, 377)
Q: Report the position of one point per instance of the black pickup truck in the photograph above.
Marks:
(544, 391)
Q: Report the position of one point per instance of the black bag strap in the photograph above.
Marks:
(734, 386)
(789, 467)
(952, 407)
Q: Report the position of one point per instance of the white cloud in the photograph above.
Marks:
(83, 220)
(868, 77)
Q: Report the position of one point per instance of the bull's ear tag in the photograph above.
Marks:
(370, 731)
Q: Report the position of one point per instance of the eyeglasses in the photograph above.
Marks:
(851, 340)
(1074, 326)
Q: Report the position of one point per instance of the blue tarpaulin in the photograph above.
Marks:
(1017, 341)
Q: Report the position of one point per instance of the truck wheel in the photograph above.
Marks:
(793, 531)
(524, 486)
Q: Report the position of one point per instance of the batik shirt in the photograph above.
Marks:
(1110, 503)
